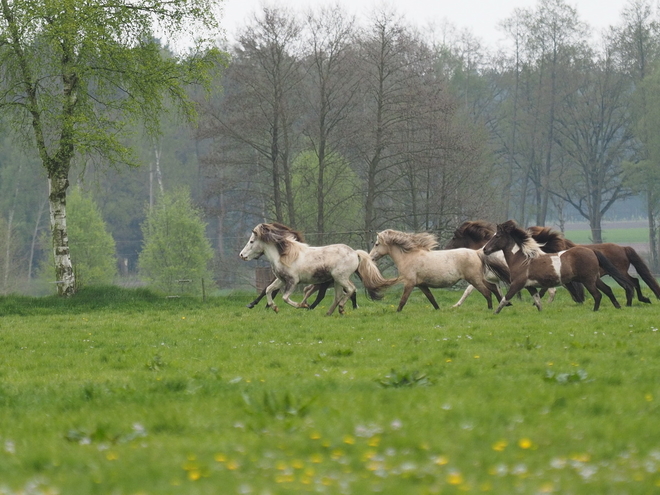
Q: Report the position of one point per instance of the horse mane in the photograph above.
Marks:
(477, 230)
(550, 240)
(287, 240)
(530, 248)
(408, 242)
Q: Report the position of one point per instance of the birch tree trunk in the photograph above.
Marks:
(65, 279)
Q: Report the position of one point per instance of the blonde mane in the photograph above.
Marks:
(408, 242)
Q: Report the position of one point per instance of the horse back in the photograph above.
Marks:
(614, 253)
(579, 263)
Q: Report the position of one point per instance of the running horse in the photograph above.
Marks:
(474, 234)
(622, 257)
(531, 268)
(419, 265)
(295, 262)
(308, 290)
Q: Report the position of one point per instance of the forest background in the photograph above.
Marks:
(342, 130)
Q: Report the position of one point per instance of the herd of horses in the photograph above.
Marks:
(538, 259)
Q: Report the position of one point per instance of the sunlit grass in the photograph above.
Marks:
(132, 393)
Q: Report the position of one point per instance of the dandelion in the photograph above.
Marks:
(220, 457)
(315, 435)
(349, 440)
(297, 464)
(112, 456)
(648, 397)
(232, 465)
(336, 454)
(525, 443)
(194, 475)
(441, 460)
(500, 445)
(316, 458)
(374, 442)
(455, 478)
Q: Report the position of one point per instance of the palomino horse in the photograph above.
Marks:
(620, 256)
(532, 268)
(420, 266)
(294, 262)
(310, 289)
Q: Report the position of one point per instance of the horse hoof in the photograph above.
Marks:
(250, 306)
(304, 306)
(276, 309)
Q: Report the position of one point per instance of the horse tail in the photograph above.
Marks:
(613, 272)
(374, 282)
(642, 270)
(501, 270)
(576, 290)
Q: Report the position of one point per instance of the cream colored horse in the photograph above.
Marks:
(294, 262)
(419, 265)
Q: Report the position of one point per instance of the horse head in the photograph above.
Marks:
(254, 247)
(471, 234)
(510, 234)
(380, 248)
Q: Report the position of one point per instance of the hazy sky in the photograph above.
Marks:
(479, 16)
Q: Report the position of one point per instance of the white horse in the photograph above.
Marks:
(294, 262)
(420, 266)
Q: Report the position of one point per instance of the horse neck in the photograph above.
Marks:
(513, 256)
(397, 254)
(273, 255)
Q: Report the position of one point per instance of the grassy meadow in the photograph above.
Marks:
(125, 392)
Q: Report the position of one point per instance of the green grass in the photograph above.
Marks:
(618, 236)
(125, 392)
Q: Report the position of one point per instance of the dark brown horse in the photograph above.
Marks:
(620, 256)
(308, 290)
(531, 268)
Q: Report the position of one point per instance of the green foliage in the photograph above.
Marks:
(92, 246)
(176, 253)
(341, 201)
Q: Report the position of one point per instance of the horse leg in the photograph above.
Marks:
(308, 290)
(288, 290)
(354, 299)
(429, 295)
(536, 296)
(407, 289)
(465, 295)
(256, 301)
(322, 288)
(641, 297)
(271, 291)
(630, 291)
(342, 292)
(486, 289)
(608, 292)
(514, 289)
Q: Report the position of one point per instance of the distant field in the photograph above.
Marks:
(618, 236)
(125, 392)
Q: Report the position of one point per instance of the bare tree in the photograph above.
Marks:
(595, 133)
(332, 85)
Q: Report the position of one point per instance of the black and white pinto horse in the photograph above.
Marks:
(295, 262)
(531, 268)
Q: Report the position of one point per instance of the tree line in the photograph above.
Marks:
(341, 128)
